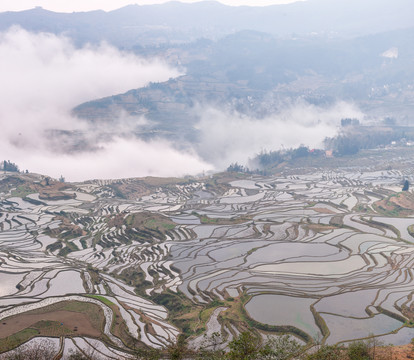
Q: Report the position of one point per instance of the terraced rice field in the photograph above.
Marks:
(311, 254)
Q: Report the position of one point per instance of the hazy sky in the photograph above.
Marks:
(107, 5)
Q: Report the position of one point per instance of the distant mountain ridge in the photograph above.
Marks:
(176, 22)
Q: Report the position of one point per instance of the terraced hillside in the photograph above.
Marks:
(113, 266)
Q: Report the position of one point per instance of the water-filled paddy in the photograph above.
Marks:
(348, 304)
(8, 283)
(329, 269)
(343, 328)
(402, 337)
(283, 310)
(285, 250)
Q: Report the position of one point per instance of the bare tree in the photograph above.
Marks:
(43, 350)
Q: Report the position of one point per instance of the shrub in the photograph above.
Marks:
(326, 353)
(358, 350)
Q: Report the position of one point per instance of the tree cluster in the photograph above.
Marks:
(7, 165)
(235, 167)
(269, 159)
(350, 143)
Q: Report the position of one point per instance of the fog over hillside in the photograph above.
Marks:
(46, 76)
(206, 83)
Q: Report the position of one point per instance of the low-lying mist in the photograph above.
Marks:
(229, 137)
(44, 76)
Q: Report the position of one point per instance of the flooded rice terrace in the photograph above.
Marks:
(326, 256)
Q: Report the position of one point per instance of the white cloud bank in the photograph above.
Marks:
(121, 158)
(43, 76)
